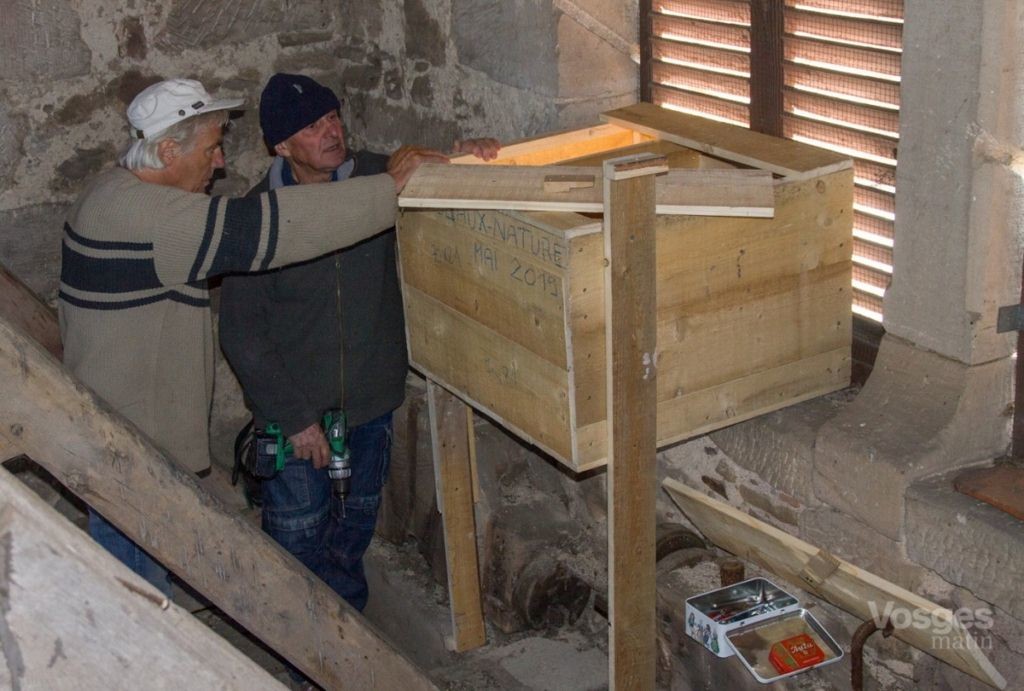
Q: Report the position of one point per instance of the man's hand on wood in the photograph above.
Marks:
(404, 162)
(485, 148)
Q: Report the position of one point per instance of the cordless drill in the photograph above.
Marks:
(339, 469)
(272, 447)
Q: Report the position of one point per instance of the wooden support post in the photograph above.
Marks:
(74, 616)
(630, 331)
(451, 429)
(107, 462)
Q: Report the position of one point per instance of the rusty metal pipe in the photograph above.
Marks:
(860, 637)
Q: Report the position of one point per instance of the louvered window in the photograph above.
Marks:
(825, 72)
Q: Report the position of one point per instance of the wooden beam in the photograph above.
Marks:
(746, 193)
(731, 142)
(114, 468)
(23, 308)
(450, 432)
(934, 630)
(71, 611)
(630, 332)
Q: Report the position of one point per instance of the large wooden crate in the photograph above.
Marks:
(506, 308)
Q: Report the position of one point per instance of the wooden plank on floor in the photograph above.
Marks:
(75, 616)
(731, 142)
(114, 468)
(23, 308)
(629, 240)
(855, 590)
(450, 430)
(746, 193)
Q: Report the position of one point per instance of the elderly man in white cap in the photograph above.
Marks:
(140, 243)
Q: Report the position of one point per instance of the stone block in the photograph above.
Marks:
(919, 414)
(849, 539)
(513, 42)
(12, 133)
(214, 22)
(967, 542)
(424, 39)
(779, 446)
(73, 173)
(763, 499)
(590, 67)
(30, 239)
(42, 41)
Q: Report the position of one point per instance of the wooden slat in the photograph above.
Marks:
(883, 62)
(872, 277)
(879, 173)
(693, 79)
(734, 11)
(519, 389)
(875, 225)
(678, 156)
(629, 242)
(853, 589)
(837, 83)
(802, 104)
(874, 199)
(696, 31)
(450, 432)
(889, 9)
(699, 193)
(864, 31)
(868, 301)
(75, 617)
(875, 253)
(708, 56)
(111, 466)
(729, 142)
(738, 113)
(503, 270)
(873, 144)
(23, 308)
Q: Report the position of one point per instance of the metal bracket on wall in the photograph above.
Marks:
(1010, 318)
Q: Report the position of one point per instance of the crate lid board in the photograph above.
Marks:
(743, 193)
(733, 143)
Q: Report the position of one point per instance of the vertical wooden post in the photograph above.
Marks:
(630, 332)
(767, 25)
(450, 430)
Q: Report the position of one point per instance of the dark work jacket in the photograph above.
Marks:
(282, 331)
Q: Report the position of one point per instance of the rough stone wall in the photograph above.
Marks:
(418, 71)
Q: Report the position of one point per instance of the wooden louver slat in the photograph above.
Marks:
(809, 50)
(844, 29)
(702, 81)
(699, 103)
(697, 31)
(885, 9)
(706, 56)
(734, 11)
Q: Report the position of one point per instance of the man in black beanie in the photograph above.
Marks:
(324, 335)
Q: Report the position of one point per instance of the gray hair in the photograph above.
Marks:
(143, 152)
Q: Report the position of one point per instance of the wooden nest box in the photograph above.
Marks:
(506, 308)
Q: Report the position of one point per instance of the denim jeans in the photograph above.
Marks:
(301, 514)
(128, 553)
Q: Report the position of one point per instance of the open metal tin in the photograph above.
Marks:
(754, 642)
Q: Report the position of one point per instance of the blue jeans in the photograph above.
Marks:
(301, 514)
(128, 553)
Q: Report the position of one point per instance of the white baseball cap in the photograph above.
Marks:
(159, 106)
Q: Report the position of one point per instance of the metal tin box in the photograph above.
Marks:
(752, 642)
(711, 616)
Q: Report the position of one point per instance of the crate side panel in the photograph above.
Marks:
(733, 401)
(736, 297)
(520, 389)
(499, 269)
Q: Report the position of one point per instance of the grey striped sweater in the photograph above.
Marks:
(134, 308)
